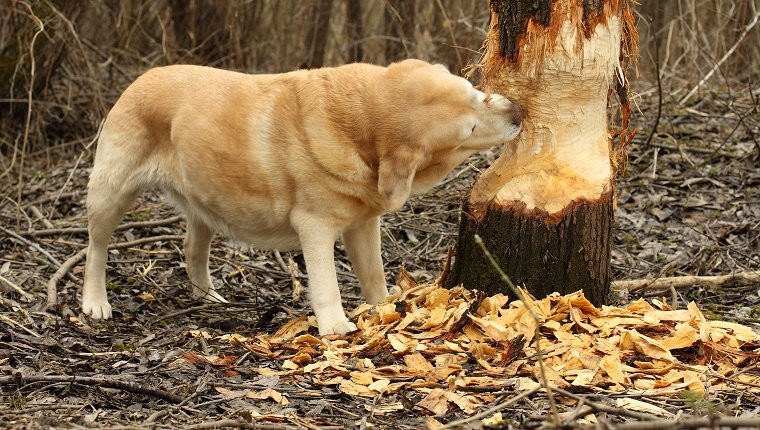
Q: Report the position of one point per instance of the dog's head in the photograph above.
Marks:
(438, 121)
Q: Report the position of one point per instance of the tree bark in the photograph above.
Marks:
(544, 208)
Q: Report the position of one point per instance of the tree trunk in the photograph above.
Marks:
(354, 31)
(544, 208)
(317, 34)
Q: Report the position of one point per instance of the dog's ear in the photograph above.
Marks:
(395, 175)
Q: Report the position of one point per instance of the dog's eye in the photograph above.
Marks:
(473, 128)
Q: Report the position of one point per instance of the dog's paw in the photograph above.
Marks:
(211, 296)
(341, 327)
(96, 309)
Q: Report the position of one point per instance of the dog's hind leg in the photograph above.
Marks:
(197, 248)
(107, 200)
(363, 247)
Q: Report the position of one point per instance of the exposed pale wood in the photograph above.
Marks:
(561, 79)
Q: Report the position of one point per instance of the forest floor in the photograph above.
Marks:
(689, 204)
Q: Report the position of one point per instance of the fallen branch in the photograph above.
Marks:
(491, 410)
(687, 281)
(63, 269)
(131, 387)
(686, 423)
(52, 288)
(82, 230)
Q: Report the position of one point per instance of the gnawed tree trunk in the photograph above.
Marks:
(544, 208)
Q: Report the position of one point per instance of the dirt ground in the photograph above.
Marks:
(689, 204)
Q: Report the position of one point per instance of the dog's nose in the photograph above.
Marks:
(517, 113)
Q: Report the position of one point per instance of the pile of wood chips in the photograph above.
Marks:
(456, 347)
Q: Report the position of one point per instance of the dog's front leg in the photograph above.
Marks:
(363, 248)
(317, 241)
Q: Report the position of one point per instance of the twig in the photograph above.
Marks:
(695, 149)
(28, 121)
(443, 279)
(491, 410)
(725, 57)
(63, 269)
(131, 387)
(537, 332)
(18, 289)
(125, 226)
(687, 281)
(52, 287)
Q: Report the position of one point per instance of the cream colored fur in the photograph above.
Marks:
(286, 161)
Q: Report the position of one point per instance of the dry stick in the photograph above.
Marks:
(52, 287)
(125, 226)
(537, 334)
(16, 324)
(687, 281)
(725, 57)
(63, 269)
(98, 382)
(451, 32)
(686, 423)
(491, 410)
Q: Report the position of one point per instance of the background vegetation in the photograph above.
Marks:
(64, 63)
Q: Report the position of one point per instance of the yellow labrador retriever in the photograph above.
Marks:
(286, 161)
